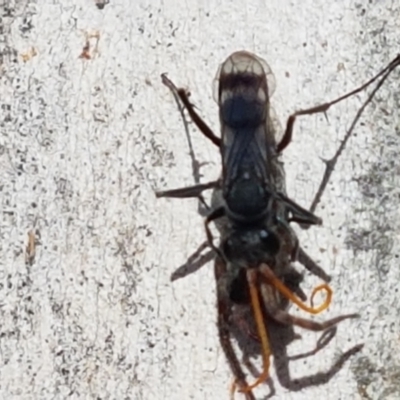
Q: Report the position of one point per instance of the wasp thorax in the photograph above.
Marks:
(245, 199)
(249, 247)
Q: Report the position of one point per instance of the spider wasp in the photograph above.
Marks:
(253, 262)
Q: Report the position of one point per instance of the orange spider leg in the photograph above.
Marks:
(270, 277)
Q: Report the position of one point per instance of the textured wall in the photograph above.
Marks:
(88, 134)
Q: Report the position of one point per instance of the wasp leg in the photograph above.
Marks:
(311, 265)
(299, 214)
(215, 214)
(184, 96)
(323, 108)
(190, 191)
(330, 164)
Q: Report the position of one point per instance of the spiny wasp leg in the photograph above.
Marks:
(197, 260)
(199, 122)
(187, 192)
(299, 214)
(202, 206)
(323, 108)
(304, 259)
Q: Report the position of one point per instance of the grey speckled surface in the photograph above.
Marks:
(84, 142)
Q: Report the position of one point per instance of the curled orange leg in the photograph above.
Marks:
(262, 332)
(274, 281)
(328, 299)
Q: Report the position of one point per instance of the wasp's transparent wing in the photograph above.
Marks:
(248, 147)
(274, 124)
(269, 75)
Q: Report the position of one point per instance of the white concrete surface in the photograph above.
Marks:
(84, 144)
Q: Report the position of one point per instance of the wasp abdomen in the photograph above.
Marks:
(242, 91)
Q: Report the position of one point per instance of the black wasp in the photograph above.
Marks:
(254, 259)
